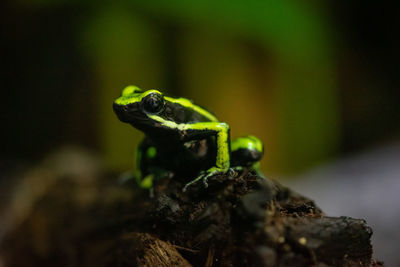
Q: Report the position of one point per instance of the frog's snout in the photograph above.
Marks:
(122, 112)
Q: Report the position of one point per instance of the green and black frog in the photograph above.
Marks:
(182, 138)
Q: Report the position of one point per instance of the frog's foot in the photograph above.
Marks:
(205, 176)
(232, 173)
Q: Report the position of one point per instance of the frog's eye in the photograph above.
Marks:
(153, 103)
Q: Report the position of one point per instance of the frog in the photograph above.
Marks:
(182, 139)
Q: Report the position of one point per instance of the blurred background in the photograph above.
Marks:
(317, 81)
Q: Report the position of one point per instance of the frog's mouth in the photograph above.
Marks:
(125, 113)
(131, 114)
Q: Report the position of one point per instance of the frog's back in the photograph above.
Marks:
(183, 110)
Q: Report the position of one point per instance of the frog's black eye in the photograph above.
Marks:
(153, 103)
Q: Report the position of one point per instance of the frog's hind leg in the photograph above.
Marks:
(246, 151)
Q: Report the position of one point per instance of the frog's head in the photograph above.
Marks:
(134, 106)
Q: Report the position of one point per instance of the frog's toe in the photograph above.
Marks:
(205, 179)
(205, 182)
(232, 173)
(213, 173)
(205, 175)
(193, 182)
(202, 176)
(188, 185)
(184, 189)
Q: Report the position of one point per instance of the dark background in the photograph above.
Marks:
(51, 86)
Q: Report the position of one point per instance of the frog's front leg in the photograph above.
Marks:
(221, 131)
